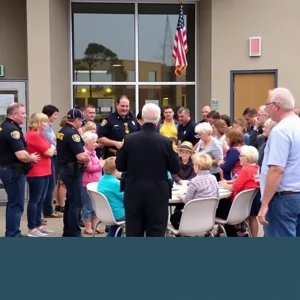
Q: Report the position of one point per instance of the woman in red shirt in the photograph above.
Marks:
(38, 176)
(247, 178)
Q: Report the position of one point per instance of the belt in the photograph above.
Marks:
(285, 193)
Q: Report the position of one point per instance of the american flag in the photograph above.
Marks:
(180, 45)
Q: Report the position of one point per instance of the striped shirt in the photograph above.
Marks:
(204, 185)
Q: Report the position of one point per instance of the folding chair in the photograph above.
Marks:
(103, 211)
(239, 211)
(198, 218)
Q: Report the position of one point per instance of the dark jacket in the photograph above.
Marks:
(147, 155)
(186, 172)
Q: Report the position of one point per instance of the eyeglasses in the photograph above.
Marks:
(267, 104)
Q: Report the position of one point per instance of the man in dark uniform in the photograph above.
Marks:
(186, 129)
(117, 126)
(146, 157)
(71, 158)
(15, 162)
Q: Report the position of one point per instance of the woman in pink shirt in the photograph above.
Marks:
(91, 174)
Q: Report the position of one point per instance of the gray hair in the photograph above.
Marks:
(250, 153)
(269, 123)
(204, 128)
(184, 110)
(13, 107)
(283, 97)
(89, 136)
(151, 113)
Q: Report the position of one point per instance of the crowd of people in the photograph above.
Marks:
(135, 161)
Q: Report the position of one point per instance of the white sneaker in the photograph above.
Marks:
(45, 231)
(35, 233)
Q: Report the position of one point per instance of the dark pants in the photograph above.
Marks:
(47, 207)
(14, 186)
(218, 176)
(222, 212)
(38, 187)
(146, 208)
(73, 206)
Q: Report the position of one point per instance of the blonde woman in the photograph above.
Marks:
(38, 177)
(204, 185)
(90, 126)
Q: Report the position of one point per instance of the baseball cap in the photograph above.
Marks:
(75, 113)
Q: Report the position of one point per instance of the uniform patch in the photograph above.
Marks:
(60, 136)
(76, 138)
(104, 122)
(174, 147)
(15, 134)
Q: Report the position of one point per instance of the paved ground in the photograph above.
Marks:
(54, 224)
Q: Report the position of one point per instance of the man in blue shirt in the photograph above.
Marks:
(280, 176)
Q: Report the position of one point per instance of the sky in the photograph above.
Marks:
(116, 32)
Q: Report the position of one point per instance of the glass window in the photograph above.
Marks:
(152, 76)
(157, 28)
(98, 55)
(102, 97)
(162, 95)
(131, 75)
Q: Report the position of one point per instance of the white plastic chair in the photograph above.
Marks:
(92, 186)
(198, 218)
(103, 211)
(239, 211)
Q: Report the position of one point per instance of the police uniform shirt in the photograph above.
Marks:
(116, 128)
(11, 141)
(187, 133)
(69, 144)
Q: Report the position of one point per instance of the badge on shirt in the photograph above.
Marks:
(104, 122)
(126, 128)
(15, 135)
(76, 138)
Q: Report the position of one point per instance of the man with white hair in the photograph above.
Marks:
(280, 176)
(146, 157)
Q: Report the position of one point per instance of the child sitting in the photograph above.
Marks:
(109, 186)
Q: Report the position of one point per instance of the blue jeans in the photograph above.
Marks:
(113, 229)
(73, 206)
(283, 216)
(87, 206)
(47, 207)
(38, 187)
(14, 186)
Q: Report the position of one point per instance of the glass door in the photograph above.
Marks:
(11, 91)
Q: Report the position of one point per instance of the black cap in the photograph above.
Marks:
(75, 113)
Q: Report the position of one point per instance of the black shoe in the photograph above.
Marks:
(106, 228)
(60, 209)
(81, 223)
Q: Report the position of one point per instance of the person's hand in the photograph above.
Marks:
(220, 162)
(180, 182)
(180, 196)
(222, 183)
(101, 162)
(35, 157)
(118, 145)
(262, 214)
